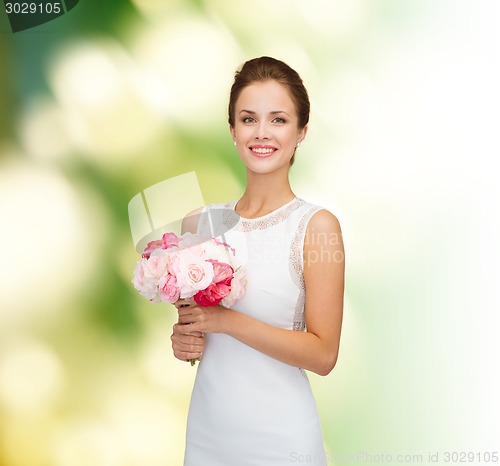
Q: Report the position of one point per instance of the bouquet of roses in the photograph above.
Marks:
(189, 266)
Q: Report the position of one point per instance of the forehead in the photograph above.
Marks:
(265, 95)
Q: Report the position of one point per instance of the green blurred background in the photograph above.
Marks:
(118, 95)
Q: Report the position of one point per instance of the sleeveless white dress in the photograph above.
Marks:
(249, 409)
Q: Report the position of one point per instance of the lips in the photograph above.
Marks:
(263, 151)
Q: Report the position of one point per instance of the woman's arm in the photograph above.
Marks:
(317, 348)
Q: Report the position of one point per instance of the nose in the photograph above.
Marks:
(262, 130)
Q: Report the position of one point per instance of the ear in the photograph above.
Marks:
(302, 134)
(232, 131)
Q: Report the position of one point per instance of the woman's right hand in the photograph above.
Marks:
(186, 345)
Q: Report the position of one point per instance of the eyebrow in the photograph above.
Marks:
(275, 112)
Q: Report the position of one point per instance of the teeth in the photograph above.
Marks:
(262, 150)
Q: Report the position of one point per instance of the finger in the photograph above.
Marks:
(187, 303)
(185, 329)
(185, 342)
(187, 339)
(183, 314)
(192, 351)
(184, 311)
(182, 328)
(184, 303)
(188, 351)
(189, 348)
(187, 320)
(194, 334)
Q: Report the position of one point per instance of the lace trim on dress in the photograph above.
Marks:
(203, 225)
(269, 220)
(226, 217)
(296, 264)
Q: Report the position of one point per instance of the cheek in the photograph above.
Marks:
(291, 137)
(241, 134)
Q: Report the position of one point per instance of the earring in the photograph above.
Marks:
(234, 142)
(298, 144)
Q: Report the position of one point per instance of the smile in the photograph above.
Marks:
(262, 151)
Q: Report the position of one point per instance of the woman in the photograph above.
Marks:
(252, 403)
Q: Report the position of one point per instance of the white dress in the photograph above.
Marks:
(247, 408)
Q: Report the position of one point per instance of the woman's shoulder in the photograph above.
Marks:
(319, 218)
(324, 220)
(313, 209)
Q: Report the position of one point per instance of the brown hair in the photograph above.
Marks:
(270, 69)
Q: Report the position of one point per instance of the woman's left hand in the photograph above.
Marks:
(204, 319)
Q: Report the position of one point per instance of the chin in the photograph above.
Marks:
(267, 170)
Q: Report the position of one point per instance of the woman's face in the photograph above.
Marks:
(266, 127)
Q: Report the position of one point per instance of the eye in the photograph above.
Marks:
(248, 120)
(279, 120)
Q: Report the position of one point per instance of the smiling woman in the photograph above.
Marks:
(266, 70)
(266, 127)
(252, 404)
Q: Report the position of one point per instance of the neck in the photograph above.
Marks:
(266, 191)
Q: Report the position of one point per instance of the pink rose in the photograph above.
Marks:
(170, 240)
(155, 268)
(142, 283)
(221, 270)
(151, 246)
(195, 274)
(214, 294)
(238, 287)
(138, 280)
(220, 287)
(169, 291)
(216, 250)
(174, 264)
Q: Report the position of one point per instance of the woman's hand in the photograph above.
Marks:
(186, 343)
(210, 319)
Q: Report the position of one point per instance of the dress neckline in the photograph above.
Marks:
(260, 218)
